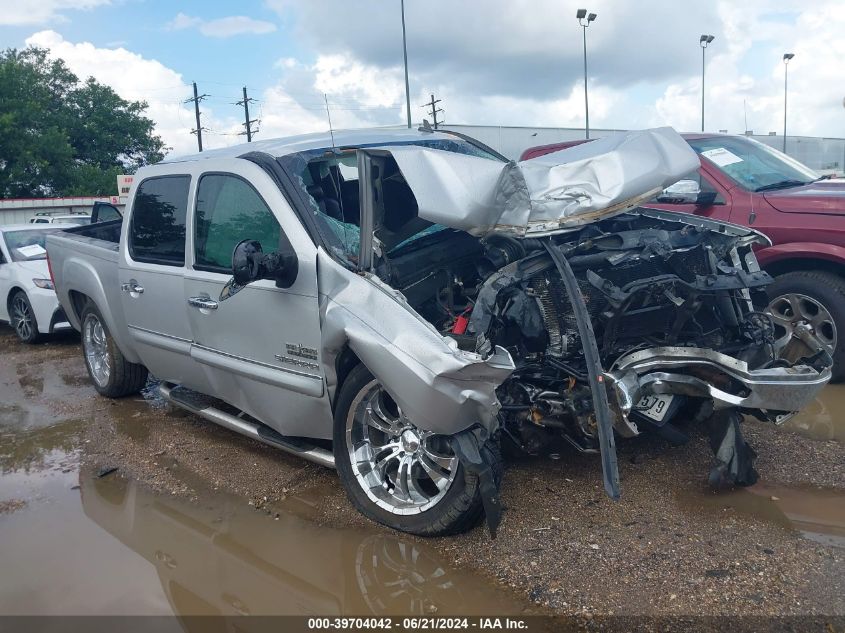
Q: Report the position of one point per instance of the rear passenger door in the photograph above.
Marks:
(151, 277)
(260, 347)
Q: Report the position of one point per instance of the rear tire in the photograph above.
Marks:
(430, 510)
(22, 318)
(113, 376)
(820, 296)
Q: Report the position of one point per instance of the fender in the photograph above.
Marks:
(800, 250)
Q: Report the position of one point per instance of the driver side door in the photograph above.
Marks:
(259, 348)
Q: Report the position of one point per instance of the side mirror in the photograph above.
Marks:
(250, 263)
(247, 260)
(682, 192)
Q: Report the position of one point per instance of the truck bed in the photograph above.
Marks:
(84, 261)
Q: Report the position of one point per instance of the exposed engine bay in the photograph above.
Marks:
(653, 283)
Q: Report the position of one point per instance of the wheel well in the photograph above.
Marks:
(344, 363)
(77, 302)
(12, 292)
(804, 264)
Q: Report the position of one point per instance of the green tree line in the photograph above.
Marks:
(60, 136)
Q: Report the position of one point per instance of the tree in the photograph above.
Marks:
(60, 136)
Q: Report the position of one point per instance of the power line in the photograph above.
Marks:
(196, 101)
(433, 110)
(247, 121)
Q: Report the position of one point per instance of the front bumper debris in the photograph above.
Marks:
(726, 380)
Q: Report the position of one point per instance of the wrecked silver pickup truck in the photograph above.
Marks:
(399, 304)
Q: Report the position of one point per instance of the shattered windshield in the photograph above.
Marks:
(328, 178)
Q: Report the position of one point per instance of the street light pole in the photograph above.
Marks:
(584, 20)
(405, 53)
(703, 41)
(786, 58)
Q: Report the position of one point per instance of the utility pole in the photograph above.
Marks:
(786, 58)
(196, 100)
(433, 110)
(584, 20)
(247, 121)
(405, 53)
(703, 41)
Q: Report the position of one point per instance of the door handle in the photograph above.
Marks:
(133, 287)
(203, 303)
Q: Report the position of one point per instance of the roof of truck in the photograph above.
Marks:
(320, 140)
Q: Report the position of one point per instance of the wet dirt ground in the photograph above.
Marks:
(124, 507)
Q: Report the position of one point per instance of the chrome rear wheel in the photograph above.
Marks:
(96, 348)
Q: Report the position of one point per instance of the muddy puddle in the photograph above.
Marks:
(824, 419)
(817, 514)
(91, 545)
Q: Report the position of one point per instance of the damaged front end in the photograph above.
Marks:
(670, 303)
(538, 304)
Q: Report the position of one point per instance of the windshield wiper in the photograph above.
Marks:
(782, 184)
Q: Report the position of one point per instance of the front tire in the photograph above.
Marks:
(22, 318)
(817, 299)
(397, 474)
(113, 376)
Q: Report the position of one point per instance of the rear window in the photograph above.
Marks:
(157, 230)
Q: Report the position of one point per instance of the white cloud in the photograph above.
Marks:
(135, 77)
(815, 74)
(182, 21)
(22, 12)
(222, 27)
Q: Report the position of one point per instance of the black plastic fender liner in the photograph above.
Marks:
(466, 445)
(595, 373)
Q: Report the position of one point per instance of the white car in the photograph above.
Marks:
(27, 298)
(76, 218)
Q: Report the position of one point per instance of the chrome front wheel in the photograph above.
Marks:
(401, 468)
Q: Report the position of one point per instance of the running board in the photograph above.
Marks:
(201, 405)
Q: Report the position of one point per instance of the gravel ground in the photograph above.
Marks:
(667, 548)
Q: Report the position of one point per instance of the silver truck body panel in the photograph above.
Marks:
(439, 387)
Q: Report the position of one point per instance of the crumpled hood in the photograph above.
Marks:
(548, 194)
(826, 197)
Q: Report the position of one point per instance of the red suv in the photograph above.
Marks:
(746, 182)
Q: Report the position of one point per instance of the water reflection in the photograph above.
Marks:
(222, 557)
(824, 419)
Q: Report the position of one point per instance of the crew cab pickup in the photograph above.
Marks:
(397, 304)
(745, 182)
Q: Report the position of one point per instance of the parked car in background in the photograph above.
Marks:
(27, 298)
(74, 218)
(745, 182)
(360, 300)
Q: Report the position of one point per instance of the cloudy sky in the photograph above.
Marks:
(496, 62)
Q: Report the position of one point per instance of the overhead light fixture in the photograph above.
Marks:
(581, 13)
(591, 17)
(788, 56)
